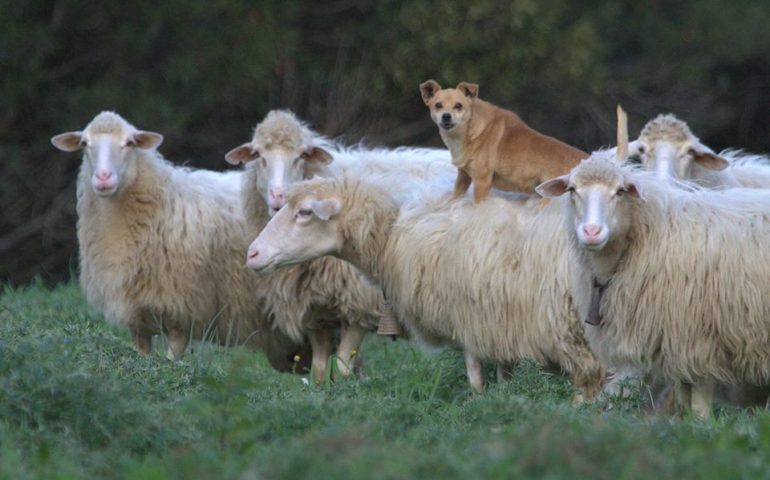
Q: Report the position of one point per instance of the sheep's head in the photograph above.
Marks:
(307, 227)
(109, 145)
(668, 147)
(284, 151)
(600, 192)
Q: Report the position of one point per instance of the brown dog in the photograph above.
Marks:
(493, 147)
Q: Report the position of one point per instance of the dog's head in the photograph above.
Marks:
(449, 107)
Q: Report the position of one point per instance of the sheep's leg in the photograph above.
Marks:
(678, 399)
(475, 372)
(142, 341)
(481, 188)
(462, 183)
(504, 372)
(177, 344)
(583, 367)
(701, 399)
(350, 341)
(321, 343)
(614, 385)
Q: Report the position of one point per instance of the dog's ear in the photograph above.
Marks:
(471, 90)
(429, 88)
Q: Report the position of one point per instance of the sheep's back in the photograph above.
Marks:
(488, 278)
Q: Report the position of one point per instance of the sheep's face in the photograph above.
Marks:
(599, 207)
(668, 147)
(304, 229)
(110, 157)
(278, 169)
(449, 107)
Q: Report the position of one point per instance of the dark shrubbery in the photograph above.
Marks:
(204, 73)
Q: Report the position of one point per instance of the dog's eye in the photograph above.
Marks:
(439, 106)
(458, 106)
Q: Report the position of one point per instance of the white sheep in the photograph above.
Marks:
(161, 247)
(283, 151)
(489, 279)
(676, 280)
(314, 298)
(667, 146)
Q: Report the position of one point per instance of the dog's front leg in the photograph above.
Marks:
(481, 187)
(462, 183)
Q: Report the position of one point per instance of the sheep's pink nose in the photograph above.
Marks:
(252, 254)
(103, 175)
(276, 194)
(592, 230)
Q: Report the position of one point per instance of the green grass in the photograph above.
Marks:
(77, 402)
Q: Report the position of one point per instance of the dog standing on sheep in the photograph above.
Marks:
(493, 147)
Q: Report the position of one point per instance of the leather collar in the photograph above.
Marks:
(594, 309)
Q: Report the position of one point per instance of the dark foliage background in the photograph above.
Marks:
(204, 73)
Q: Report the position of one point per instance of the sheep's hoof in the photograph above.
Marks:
(341, 372)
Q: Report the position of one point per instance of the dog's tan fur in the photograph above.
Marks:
(493, 147)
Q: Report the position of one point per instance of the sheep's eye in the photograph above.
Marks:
(439, 106)
(619, 192)
(642, 149)
(304, 212)
(458, 106)
(571, 189)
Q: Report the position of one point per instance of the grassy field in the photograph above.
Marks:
(77, 402)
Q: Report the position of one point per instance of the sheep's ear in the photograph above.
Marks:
(241, 154)
(145, 140)
(633, 189)
(318, 156)
(635, 150)
(69, 142)
(708, 159)
(429, 88)
(326, 209)
(471, 90)
(553, 187)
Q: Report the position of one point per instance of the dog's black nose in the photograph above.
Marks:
(446, 117)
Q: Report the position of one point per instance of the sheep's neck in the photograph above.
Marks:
(605, 263)
(365, 249)
(254, 203)
(134, 206)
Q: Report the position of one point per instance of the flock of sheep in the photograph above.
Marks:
(649, 261)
